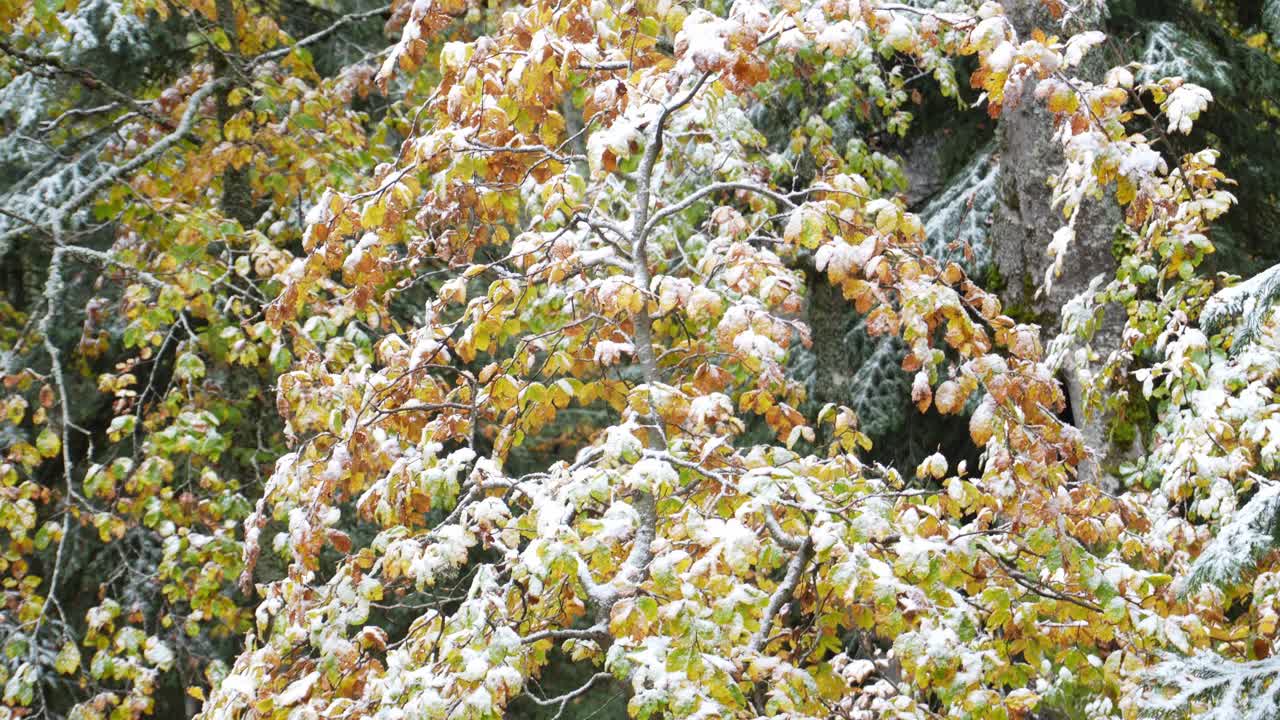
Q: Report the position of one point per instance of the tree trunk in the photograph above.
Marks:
(1025, 221)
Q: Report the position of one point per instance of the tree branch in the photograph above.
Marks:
(781, 595)
(563, 700)
(101, 258)
(714, 188)
(319, 35)
(53, 289)
(188, 120)
(595, 632)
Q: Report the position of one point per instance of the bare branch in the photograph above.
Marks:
(319, 35)
(781, 595)
(188, 120)
(524, 150)
(715, 188)
(595, 632)
(563, 700)
(101, 258)
(783, 538)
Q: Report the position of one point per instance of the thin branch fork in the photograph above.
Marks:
(101, 258)
(704, 191)
(563, 700)
(48, 125)
(1035, 587)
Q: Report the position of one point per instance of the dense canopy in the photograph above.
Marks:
(725, 359)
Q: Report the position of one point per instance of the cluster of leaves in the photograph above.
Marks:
(563, 207)
(123, 534)
(645, 257)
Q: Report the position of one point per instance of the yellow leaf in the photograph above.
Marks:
(68, 659)
(372, 215)
(1022, 699)
(1125, 191)
(48, 443)
(887, 219)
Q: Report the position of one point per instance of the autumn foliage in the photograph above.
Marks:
(518, 294)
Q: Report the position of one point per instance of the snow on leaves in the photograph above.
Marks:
(586, 222)
(666, 552)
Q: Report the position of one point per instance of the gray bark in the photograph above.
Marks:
(1025, 221)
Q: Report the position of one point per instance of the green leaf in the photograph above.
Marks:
(306, 122)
